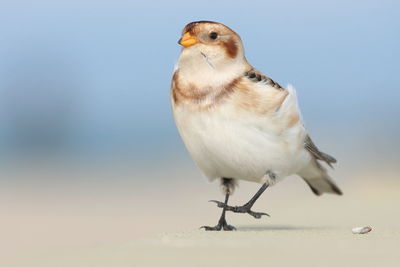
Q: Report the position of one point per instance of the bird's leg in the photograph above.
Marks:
(246, 208)
(222, 224)
(228, 185)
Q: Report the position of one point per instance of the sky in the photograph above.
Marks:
(90, 79)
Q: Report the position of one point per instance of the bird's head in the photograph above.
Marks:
(213, 39)
(210, 47)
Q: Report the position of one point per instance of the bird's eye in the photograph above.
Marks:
(213, 35)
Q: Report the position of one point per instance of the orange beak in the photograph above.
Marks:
(188, 40)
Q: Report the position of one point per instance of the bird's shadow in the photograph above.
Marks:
(278, 228)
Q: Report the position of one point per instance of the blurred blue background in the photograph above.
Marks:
(88, 81)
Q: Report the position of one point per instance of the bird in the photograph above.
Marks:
(237, 123)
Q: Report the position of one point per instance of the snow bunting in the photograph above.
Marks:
(236, 122)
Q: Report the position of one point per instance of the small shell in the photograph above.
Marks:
(361, 230)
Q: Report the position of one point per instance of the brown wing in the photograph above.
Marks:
(313, 149)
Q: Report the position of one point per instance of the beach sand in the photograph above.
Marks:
(122, 223)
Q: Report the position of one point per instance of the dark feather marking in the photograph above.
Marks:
(228, 185)
(191, 93)
(256, 76)
(315, 191)
(190, 26)
(331, 184)
(313, 149)
(231, 48)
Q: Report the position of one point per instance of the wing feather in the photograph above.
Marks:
(313, 149)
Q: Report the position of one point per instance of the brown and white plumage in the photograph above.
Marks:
(237, 122)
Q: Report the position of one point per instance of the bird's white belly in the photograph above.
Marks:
(236, 148)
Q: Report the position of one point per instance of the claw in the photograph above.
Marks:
(257, 215)
(219, 203)
(229, 227)
(209, 228)
(219, 227)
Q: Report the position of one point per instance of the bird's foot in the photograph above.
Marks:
(246, 208)
(222, 225)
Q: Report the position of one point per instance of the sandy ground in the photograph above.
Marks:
(98, 222)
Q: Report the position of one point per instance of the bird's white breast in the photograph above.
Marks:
(226, 143)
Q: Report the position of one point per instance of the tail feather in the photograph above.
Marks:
(318, 179)
(323, 185)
